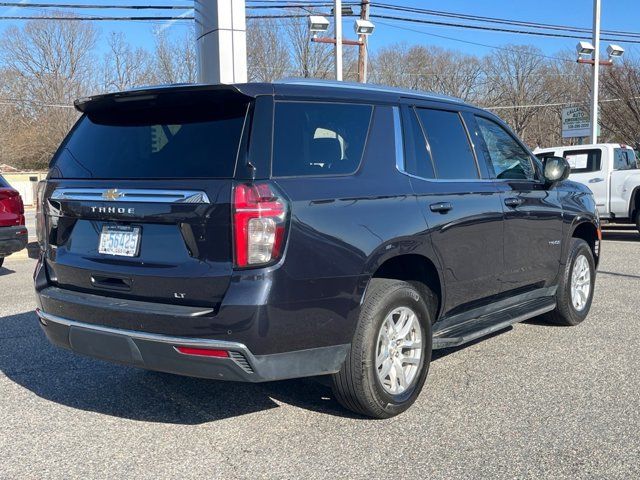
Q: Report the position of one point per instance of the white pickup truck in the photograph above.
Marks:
(611, 171)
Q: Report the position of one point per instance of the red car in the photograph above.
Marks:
(13, 233)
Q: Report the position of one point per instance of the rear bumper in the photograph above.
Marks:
(157, 352)
(12, 239)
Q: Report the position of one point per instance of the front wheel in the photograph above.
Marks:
(389, 357)
(575, 291)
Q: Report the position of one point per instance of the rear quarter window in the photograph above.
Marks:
(312, 138)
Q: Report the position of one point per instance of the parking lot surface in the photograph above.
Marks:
(531, 401)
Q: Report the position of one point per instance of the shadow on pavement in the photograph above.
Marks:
(63, 377)
(6, 271)
(69, 379)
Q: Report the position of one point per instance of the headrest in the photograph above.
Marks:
(325, 150)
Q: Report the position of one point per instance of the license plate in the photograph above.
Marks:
(123, 241)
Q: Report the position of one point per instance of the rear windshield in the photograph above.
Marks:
(173, 140)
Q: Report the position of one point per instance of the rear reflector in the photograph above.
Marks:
(203, 352)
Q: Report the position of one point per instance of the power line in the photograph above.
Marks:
(95, 7)
(478, 18)
(138, 18)
(492, 29)
(478, 44)
(279, 4)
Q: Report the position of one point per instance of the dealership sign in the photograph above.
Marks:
(575, 123)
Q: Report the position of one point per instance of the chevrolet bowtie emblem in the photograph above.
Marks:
(112, 194)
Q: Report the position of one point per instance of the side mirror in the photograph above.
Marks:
(556, 169)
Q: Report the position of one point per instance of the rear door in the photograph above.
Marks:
(461, 207)
(137, 201)
(532, 211)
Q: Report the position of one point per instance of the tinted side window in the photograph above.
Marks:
(632, 160)
(583, 161)
(319, 138)
(417, 159)
(509, 159)
(3, 182)
(448, 143)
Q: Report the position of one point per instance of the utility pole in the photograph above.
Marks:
(362, 48)
(221, 41)
(337, 16)
(595, 71)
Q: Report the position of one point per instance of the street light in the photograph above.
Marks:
(584, 48)
(615, 51)
(318, 23)
(363, 27)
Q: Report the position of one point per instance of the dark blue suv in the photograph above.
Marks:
(259, 232)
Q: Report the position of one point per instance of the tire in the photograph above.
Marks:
(358, 386)
(566, 312)
(637, 219)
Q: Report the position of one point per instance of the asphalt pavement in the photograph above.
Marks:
(533, 401)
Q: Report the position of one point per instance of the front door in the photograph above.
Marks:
(532, 212)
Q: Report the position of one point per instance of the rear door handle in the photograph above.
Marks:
(513, 202)
(596, 180)
(440, 207)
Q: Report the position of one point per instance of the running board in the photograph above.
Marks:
(458, 334)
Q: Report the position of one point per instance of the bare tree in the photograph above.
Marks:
(620, 102)
(175, 60)
(125, 67)
(433, 69)
(309, 59)
(49, 63)
(516, 77)
(267, 53)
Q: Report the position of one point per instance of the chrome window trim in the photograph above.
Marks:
(131, 195)
(398, 139)
(398, 133)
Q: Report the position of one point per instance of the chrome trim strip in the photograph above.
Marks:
(398, 138)
(131, 195)
(151, 337)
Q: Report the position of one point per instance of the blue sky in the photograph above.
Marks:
(616, 15)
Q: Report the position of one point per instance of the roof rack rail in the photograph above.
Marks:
(317, 82)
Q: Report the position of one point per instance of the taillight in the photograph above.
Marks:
(259, 224)
(11, 203)
(40, 225)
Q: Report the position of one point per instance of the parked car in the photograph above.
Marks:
(13, 233)
(259, 232)
(611, 171)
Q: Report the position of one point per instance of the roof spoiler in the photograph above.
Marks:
(150, 94)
